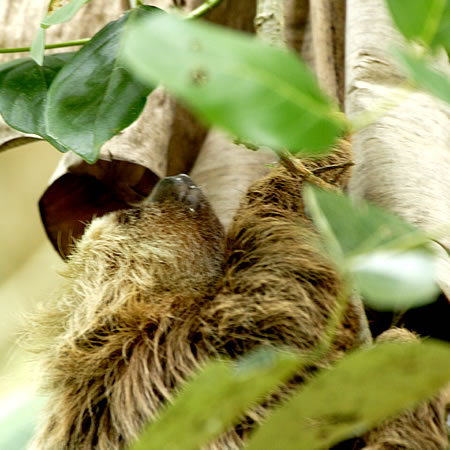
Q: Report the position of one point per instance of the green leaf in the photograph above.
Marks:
(358, 226)
(389, 258)
(94, 97)
(396, 281)
(37, 47)
(216, 398)
(358, 393)
(442, 36)
(23, 93)
(63, 14)
(437, 83)
(56, 16)
(419, 19)
(258, 93)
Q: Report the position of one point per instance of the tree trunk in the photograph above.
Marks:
(402, 160)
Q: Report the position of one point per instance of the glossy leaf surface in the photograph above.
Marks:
(396, 280)
(359, 392)
(442, 37)
(95, 97)
(23, 92)
(424, 20)
(391, 264)
(258, 93)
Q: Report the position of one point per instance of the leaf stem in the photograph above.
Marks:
(194, 14)
(48, 46)
(203, 9)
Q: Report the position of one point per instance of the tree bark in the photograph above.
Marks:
(402, 160)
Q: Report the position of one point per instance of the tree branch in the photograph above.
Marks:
(203, 9)
(269, 22)
(194, 14)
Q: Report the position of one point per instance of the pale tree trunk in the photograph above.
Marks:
(402, 161)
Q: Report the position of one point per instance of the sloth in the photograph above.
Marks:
(154, 292)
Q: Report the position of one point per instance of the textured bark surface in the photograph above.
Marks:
(237, 14)
(295, 18)
(224, 171)
(316, 30)
(270, 22)
(327, 24)
(402, 160)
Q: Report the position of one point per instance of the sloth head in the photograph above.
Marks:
(173, 240)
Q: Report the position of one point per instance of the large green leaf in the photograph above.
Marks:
(396, 280)
(63, 14)
(260, 94)
(215, 399)
(442, 36)
(94, 97)
(363, 389)
(23, 93)
(437, 83)
(424, 20)
(358, 226)
(389, 258)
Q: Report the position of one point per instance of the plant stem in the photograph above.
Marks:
(269, 21)
(48, 46)
(343, 165)
(295, 165)
(203, 9)
(194, 14)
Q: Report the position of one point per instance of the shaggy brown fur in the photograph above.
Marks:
(154, 292)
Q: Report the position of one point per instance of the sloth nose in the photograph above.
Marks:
(176, 184)
(178, 188)
(181, 179)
